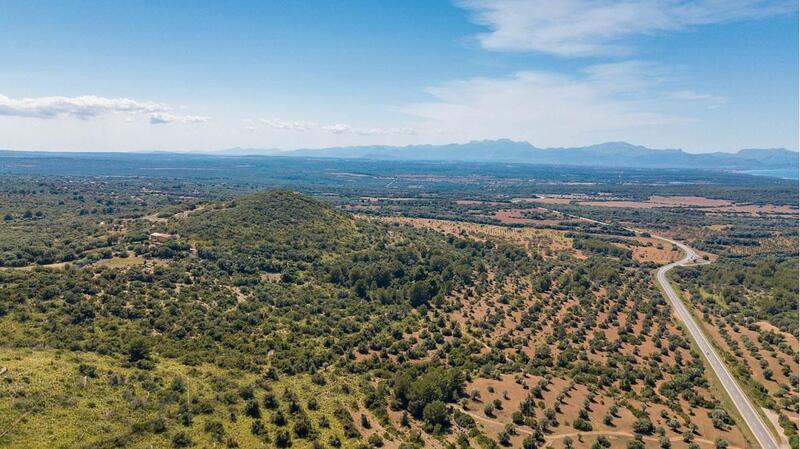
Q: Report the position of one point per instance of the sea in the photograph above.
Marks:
(784, 173)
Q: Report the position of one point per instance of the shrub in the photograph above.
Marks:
(582, 425)
(282, 438)
(138, 349)
(375, 440)
(181, 439)
(435, 413)
(643, 426)
(252, 409)
(302, 425)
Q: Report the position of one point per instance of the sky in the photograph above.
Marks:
(702, 75)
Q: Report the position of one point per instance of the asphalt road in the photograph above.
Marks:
(739, 398)
(746, 408)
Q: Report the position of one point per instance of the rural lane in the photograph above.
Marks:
(739, 398)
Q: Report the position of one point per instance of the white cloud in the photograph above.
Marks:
(159, 118)
(550, 108)
(711, 101)
(90, 106)
(599, 27)
(338, 128)
(335, 128)
(386, 131)
(83, 107)
(342, 128)
(291, 125)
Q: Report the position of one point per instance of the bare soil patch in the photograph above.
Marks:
(688, 201)
(654, 250)
(516, 216)
(706, 204)
(546, 242)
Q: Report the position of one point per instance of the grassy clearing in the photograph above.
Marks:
(47, 402)
(122, 262)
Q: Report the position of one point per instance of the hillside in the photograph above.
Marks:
(277, 217)
(280, 294)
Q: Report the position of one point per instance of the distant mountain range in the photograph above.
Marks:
(610, 154)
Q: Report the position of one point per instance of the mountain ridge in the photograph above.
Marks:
(615, 154)
(609, 154)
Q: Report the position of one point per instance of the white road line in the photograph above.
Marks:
(738, 397)
(753, 420)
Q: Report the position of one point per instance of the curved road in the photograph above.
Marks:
(739, 398)
(746, 408)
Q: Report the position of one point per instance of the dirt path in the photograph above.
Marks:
(154, 217)
(57, 265)
(773, 418)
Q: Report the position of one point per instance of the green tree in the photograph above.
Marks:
(435, 413)
(138, 349)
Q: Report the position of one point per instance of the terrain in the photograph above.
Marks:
(276, 302)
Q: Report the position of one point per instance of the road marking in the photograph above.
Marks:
(738, 397)
(740, 400)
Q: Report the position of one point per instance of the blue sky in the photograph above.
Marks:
(705, 75)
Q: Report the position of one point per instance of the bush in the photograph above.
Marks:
(302, 425)
(282, 438)
(643, 426)
(529, 443)
(435, 413)
(87, 370)
(138, 349)
(252, 409)
(181, 439)
(258, 428)
(504, 438)
(375, 440)
(216, 429)
(582, 425)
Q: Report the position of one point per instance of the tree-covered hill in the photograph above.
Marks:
(269, 218)
(280, 286)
